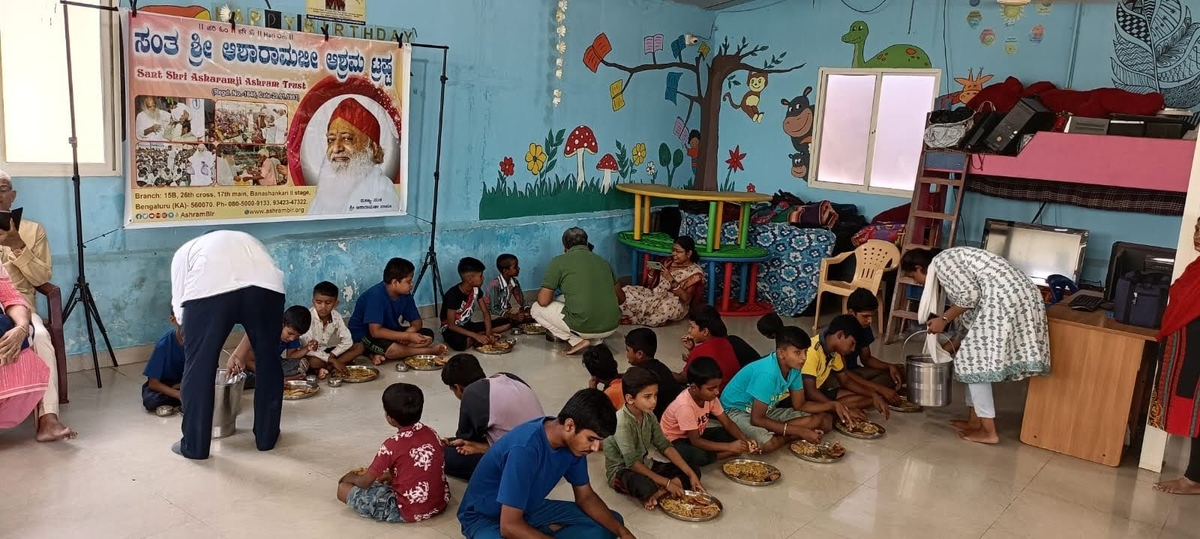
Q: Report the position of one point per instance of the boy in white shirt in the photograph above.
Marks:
(334, 348)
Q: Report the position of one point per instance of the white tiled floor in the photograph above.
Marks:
(119, 478)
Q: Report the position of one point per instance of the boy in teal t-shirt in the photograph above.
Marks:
(750, 396)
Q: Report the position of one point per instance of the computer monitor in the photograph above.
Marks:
(1127, 257)
(1039, 251)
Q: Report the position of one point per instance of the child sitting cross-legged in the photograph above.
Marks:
(296, 320)
(504, 298)
(386, 320)
(458, 306)
(164, 370)
(750, 396)
(334, 348)
(406, 482)
(707, 337)
(885, 378)
(600, 363)
(685, 422)
(826, 378)
(627, 462)
(641, 344)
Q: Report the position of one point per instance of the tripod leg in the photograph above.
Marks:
(87, 318)
(89, 303)
(70, 305)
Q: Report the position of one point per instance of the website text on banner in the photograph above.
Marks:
(253, 124)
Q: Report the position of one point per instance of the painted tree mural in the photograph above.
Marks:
(729, 60)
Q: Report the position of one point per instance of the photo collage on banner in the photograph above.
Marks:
(252, 124)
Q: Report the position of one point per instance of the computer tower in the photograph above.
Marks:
(1028, 116)
(976, 138)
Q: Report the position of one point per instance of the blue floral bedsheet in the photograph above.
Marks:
(789, 279)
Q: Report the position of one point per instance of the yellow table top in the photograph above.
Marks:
(662, 191)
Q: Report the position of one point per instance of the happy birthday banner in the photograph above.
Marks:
(252, 124)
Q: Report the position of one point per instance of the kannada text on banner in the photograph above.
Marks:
(257, 124)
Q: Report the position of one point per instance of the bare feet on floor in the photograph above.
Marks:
(1182, 485)
(964, 425)
(577, 348)
(50, 429)
(378, 359)
(980, 436)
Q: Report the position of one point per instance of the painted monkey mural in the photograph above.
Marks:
(756, 82)
(798, 124)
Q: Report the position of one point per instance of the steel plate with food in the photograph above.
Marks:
(755, 473)
(294, 390)
(499, 347)
(532, 329)
(425, 362)
(906, 406)
(865, 430)
(357, 374)
(822, 453)
(691, 507)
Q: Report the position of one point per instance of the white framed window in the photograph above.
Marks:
(870, 127)
(35, 120)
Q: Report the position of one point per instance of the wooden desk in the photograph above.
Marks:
(1097, 388)
(642, 193)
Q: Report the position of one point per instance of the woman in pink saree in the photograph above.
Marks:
(23, 375)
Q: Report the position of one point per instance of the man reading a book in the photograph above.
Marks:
(26, 255)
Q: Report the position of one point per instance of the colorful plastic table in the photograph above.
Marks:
(747, 259)
(643, 192)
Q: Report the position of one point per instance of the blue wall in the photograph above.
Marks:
(501, 74)
(810, 31)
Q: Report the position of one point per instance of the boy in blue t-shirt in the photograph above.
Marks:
(164, 370)
(507, 493)
(296, 320)
(886, 378)
(748, 399)
(385, 319)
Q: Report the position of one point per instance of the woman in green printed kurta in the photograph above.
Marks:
(1007, 337)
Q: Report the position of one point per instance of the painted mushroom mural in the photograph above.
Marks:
(607, 165)
(582, 141)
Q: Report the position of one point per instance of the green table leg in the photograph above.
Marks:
(713, 225)
(743, 232)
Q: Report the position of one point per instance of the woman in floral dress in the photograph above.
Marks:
(1007, 337)
(669, 293)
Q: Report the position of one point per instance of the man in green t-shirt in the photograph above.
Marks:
(587, 310)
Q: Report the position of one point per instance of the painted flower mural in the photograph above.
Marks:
(507, 167)
(535, 158)
(639, 154)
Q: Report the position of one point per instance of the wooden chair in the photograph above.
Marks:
(872, 259)
(54, 324)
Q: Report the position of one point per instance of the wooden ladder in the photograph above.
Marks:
(941, 176)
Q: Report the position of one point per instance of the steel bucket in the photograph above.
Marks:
(929, 383)
(227, 402)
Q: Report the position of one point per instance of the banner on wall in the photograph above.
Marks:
(255, 124)
(348, 11)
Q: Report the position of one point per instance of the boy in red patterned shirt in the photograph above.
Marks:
(406, 482)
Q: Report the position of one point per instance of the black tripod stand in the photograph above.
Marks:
(431, 261)
(81, 295)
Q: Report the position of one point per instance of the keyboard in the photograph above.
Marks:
(1089, 303)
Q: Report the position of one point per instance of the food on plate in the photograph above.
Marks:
(752, 471)
(818, 451)
(496, 347)
(690, 506)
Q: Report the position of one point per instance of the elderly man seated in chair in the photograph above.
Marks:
(26, 256)
(587, 311)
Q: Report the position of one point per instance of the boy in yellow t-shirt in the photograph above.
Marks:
(826, 377)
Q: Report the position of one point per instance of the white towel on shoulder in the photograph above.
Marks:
(932, 303)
